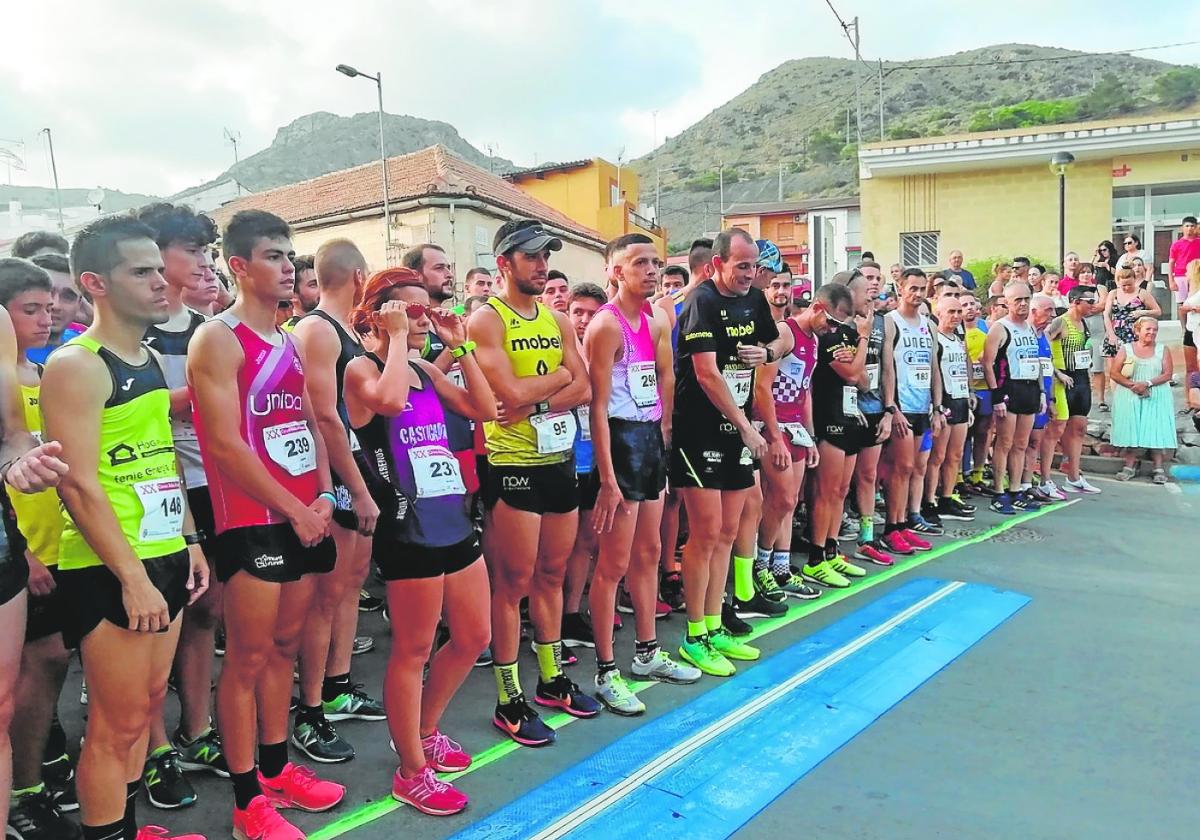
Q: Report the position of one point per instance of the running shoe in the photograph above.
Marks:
(157, 832)
(615, 694)
(260, 821)
(368, 602)
(731, 648)
(59, 776)
(949, 507)
(1025, 501)
(1081, 486)
(759, 606)
(204, 753)
(520, 722)
(982, 488)
(670, 589)
(765, 585)
(663, 668)
(35, 816)
(706, 657)
(577, 631)
(1050, 490)
(918, 524)
(443, 754)
(824, 574)
(872, 553)
(485, 659)
(845, 568)
(624, 601)
(428, 794)
(915, 541)
(894, 542)
(562, 693)
(354, 704)
(793, 584)
(83, 694)
(219, 642)
(299, 787)
(967, 506)
(1002, 504)
(929, 510)
(164, 781)
(849, 527)
(318, 740)
(731, 622)
(362, 644)
(661, 609)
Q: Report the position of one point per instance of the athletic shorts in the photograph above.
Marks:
(639, 461)
(200, 504)
(1040, 421)
(958, 411)
(272, 553)
(409, 561)
(983, 406)
(343, 507)
(1079, 398)
(1024, 396)
(713, 461)
(45, 612)
(14, 574)
(92, 595)
(546, 488)
(1189, 340)
(919, 422)
(926, 440)
(869, 433)
(838, 432)
(587, 490)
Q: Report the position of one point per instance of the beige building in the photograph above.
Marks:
(435, 197)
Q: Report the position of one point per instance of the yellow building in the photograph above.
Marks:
(993, 193)
(594, 193)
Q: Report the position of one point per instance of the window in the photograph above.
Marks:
(614, 195)
(919, 248)
(785, 231)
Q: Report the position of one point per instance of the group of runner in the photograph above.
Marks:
(212, 473)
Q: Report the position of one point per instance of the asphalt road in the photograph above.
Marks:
(1074, 718)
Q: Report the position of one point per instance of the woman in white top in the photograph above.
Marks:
(1132, 247)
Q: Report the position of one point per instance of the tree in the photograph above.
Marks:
(900, 131)
(1110, 96)
(824, 147)
(1178, 88)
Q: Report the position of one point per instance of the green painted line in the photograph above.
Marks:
(374, 810)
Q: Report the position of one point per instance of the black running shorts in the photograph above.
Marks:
(409, 561)
(1024, 396)
(92, 595)
(1079, 396)
(546, 488)
(958, 410)
(837, 431)
(272, 553)
(45, 612)
(639, 460)
(710, 460)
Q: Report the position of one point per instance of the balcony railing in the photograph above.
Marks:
(644, 223)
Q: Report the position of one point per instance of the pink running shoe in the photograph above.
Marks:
(444, 755)
(157, 832)
(895, 542)
(872, 554)
(428, 794)
(661, 609)
(915, 541)
(260, 821)
(299, 787)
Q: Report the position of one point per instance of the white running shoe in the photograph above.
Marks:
(1081, 486)
(663, 668)
(1051, 491)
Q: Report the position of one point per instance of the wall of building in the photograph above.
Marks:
(1157, 168)
(988, 212)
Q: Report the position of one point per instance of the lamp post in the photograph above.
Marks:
(1059, 164)
(54, 170)
(347, 70)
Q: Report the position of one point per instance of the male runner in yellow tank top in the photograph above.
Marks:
(534, 367)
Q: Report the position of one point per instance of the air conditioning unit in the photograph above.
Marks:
(800, 217)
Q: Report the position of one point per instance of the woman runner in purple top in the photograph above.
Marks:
(425, 545)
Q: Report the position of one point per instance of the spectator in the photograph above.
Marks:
(1036, 272)
(1123, 307)
(1002, 272)
(956, 267)
(1104, 261)
(1070, 272)
(480, 283)
(1143, 409)
(1189, 310)
(557, 293)
(1095, 325)
(1020, 266)
(674, 278)
(1139, 271)
(1183, 251)
(38, 242)
(1132, 245)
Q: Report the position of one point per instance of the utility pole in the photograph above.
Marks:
(721, 176)
(881, 100)
(847, 125)
(858, 88)
(781, 180)
(54, 171)
(654, 139)
(233, 138)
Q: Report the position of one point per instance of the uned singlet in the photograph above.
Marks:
(790, 387)
(954, 362)
(1019, 356)
(635, 394)
(914, 363)
(270, 392)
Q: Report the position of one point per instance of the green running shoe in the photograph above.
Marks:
(766, 585)
(731, 648)
(824, 574)
(204, 753)
(842, 567)
(354, 704)
(704, 656)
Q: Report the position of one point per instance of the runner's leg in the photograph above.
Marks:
(510, 543)
(345, 615)
(464, 603)
(612, 563)
(42, 672)
(557, 536)
(733, 503)
(194, 661)
(641, 579)
(12, 634)
(419, 601)
(704, 530)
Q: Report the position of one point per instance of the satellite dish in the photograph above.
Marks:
(95, 197)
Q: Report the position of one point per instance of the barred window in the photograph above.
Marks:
(917, 249)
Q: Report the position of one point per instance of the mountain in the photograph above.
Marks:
(319, 143)
(35, 199)
(797, 115)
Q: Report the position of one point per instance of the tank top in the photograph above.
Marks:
(794, 378)
(914, 360)
(534, 348)
(270, 392)
(38, 516)
(871, 400)
(677, 299)
(348, 350)
(1076, 346)
(635, 394)
(953, 362)
(411, 472)
(172, 346)
(1046, 361)
(136, 467)
(1018, 356)
(975, 338)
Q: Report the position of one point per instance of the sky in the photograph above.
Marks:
(138, 100)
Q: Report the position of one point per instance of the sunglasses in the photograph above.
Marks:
(416, 310)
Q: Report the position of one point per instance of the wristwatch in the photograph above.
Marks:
(542, 407)
(770, 355)
(889, 409)
(463, 349)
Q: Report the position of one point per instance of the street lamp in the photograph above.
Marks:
(347, 70)
(1059, 164)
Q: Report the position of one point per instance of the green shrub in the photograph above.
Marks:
(1024, 114)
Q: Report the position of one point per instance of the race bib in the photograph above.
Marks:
(355, 446)
(1083, 359)
(956, 385)
(643, 384)
(456, 376)
(435, 472)
(797, 434)
(849, 400)
(584, 415)
(977, 371)
(1028, 368)
(555, 431)
(1047, 368)
(738, 383)
(872, 377)
(291, 446)
(162, 509)
(184, 430)
(920, 376)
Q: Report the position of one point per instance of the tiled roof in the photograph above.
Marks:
(803, 205)
(534, 171)
(433, 171)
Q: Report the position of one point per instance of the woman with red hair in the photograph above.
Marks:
(425, 545)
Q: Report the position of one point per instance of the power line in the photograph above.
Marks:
(1001, 62)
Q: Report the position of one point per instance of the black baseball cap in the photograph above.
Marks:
(529, 237)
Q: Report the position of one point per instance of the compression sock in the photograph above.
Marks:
(644, 651)
(272, 758)
(508, 683)
(112, 831)
(781, 563)
(816, 555)
(549, 657)
(332, 687)
(831, 549)
(245, 788)
(130, 820)
(712, 622)
(762, 560)
(603, 667)
(696, 630)
(866, 530)
(743, 578)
